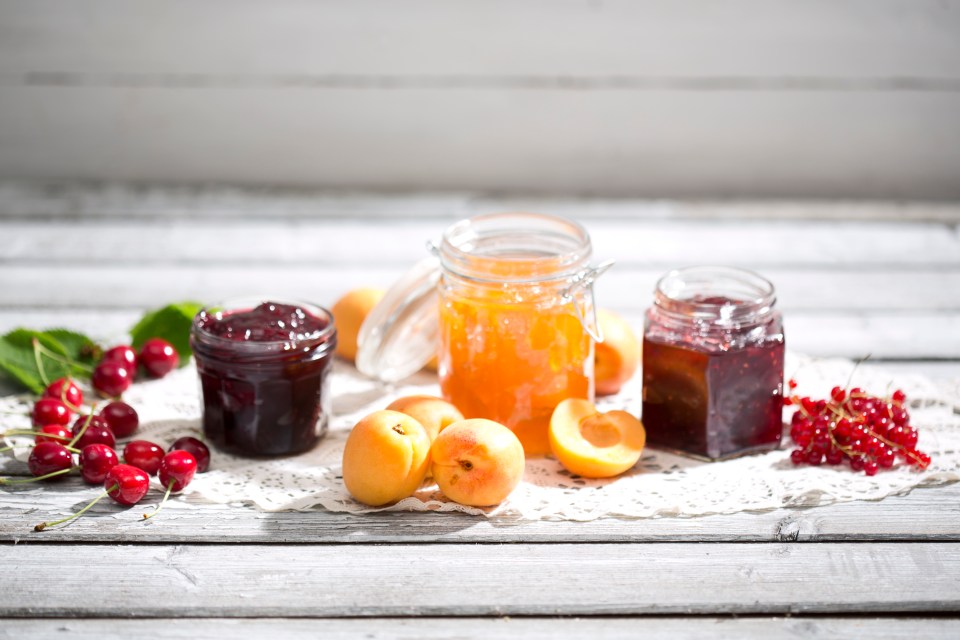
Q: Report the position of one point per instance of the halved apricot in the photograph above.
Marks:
(593, 444)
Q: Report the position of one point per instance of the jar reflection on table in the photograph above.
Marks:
(713, 354)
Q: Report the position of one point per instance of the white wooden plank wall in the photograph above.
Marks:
(829, 98)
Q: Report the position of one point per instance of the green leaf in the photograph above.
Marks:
(171, 323)
(72, 354)
(79, 348)
(25, 378)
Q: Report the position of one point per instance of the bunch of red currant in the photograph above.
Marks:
(869, 431)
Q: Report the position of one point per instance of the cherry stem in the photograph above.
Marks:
(83, 429)
(162, 502)
(26, 432)
(39, 360)
(52, 474)
(44, 525)
(38, 347)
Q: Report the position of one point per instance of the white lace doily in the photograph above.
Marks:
(660, 485)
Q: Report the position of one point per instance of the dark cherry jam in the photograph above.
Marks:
(263, 370)
(713, 354)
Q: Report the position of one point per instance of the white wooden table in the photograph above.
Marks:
(852, 279)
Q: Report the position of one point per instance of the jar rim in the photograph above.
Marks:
(725, 294)
(217, 311)
(541, 247)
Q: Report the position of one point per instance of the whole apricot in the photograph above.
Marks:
(385, 458)
(477, 462)
(435, 414)
(616, 358)
(349, 312)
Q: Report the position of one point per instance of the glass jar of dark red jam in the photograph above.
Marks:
(263, 368)
(713, 348)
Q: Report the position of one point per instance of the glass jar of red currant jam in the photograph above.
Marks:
(263, 369)
(713, 348)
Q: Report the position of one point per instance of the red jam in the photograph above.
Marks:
(263, 375)
(713, 368)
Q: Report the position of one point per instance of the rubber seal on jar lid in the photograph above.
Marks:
(402, 332)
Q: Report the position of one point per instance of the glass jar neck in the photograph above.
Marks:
(720, 297)
(515, 248)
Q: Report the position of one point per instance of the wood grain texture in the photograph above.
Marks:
(926, 514)
(481, 580)
(459, 39)
(650, 143)
(531, 628)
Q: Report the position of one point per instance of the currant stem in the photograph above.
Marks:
(44, 525)
(162, 502)
(52, 474)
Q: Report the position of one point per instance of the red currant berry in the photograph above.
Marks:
(53, 433)
(144, 455)
(126, 484)
(158, 357)
(797, 456)
(111, 379)
(196, 448)
(857, 462)
(838, 394)
(65, 391)
(48, 457)
(792, 383)
(814, 457)
(887, 458)
(177, 469)
(121, 418)
(96, 432)
(834, 456)
(870, 467)
(95, 461)
(122, 354)
(899, 396)
(50, 411)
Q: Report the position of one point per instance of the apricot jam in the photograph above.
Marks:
(713, 352)
(263, 370)
(515, 302)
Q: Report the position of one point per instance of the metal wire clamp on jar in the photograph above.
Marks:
(506, 302)
(713, 350)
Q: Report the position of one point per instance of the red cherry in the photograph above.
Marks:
(197, 449)
(53, 433)
(126, 484)
(48, 457)
(158, 357)
(65, 391)
(50, 411)
(144, 455)
(123, 354)
(121, 418)
(111, 379)
(95, 461)
(96, 432)
(177, 469)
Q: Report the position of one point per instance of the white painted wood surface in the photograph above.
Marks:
(850, 97)
(875, 278)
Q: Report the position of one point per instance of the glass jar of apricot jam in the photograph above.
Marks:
(713, 349)
(263, 367)
(516, 318)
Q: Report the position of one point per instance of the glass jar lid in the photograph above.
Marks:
(402, 332)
